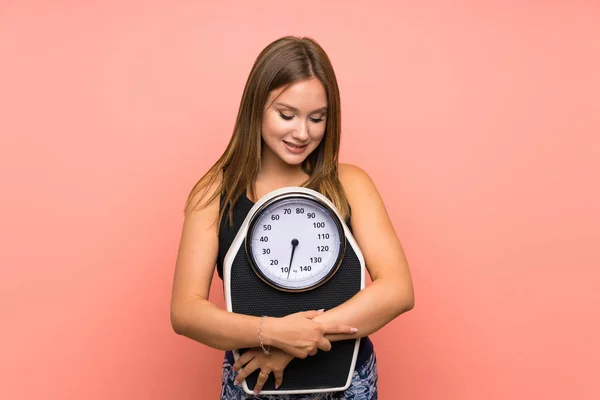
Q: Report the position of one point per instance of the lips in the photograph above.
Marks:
(294, 148)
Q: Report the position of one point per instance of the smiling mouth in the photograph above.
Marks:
(295, 146)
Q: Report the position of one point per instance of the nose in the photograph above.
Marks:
(301, 132)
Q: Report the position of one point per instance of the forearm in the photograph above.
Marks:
(370, 309)
(204, 322)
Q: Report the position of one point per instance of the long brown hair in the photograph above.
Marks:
(282, 63)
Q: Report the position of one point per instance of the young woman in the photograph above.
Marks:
(287, 133)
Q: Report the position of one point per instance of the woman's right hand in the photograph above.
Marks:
(298, 335)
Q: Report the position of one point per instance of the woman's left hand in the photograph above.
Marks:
(254, 359)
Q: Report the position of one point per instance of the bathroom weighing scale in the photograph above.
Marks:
(295, 253)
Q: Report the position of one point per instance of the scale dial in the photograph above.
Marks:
(295, 242)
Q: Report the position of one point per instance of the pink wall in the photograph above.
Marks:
(479, 124)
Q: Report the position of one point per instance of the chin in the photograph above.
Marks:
(293, 160)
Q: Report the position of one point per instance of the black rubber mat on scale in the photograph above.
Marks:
(251, 296)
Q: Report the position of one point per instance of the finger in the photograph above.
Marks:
(243, 359)
(244, 372)
(262, 378)
(313, 351)
(324, 344)
(338, 328)
(295, 352)
(311, 314)
(278, 378)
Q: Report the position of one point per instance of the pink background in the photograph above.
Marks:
(479, 123)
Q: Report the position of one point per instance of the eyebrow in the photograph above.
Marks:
(296, 110)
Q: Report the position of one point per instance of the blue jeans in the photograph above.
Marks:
(362, 387)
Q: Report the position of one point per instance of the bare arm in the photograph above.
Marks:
(391, 292)
(192, 315)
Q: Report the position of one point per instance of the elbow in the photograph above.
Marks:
(408, 302)
(178, 321)
(184, 322)
(177, 324)
(400, 297)
(405, 303)
(405, 299)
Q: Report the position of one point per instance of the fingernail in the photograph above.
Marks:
(353, 330)
(321, 310)
(235, 382)
(276, 386)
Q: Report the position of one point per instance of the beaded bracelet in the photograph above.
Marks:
(265, 349)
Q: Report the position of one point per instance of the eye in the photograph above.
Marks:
(286, 117)
(317, 120)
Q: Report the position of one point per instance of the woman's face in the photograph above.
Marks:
(294, 121)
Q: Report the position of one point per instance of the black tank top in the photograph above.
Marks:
(227, 234)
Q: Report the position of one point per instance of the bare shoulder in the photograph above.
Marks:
(203, 196)
(356, 183)
(372, 227)
(368, 208)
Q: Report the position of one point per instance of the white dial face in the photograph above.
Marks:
(295, 243)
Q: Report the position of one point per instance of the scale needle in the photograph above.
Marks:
(294, 244)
